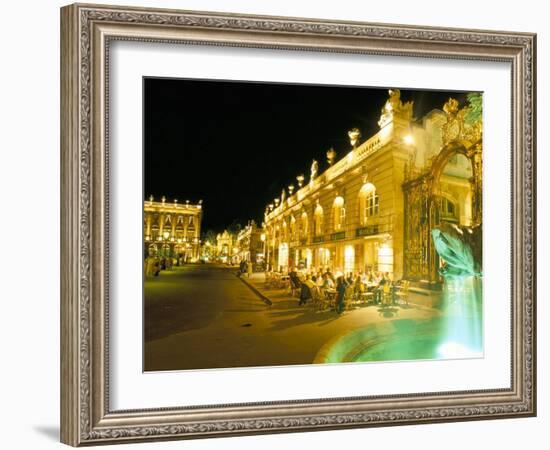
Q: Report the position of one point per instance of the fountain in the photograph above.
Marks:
(462, 333)
(455, 333)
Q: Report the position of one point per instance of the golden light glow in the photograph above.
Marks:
(339, 201)
(408, 139)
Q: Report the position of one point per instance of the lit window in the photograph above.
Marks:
(447, 210)
(293, 227)
(338, 213)
(372, 204)
(369, 203)
(303, 230)
(349, 258)
(318, 221)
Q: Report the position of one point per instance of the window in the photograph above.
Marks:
(369, 203)
(338, 213)
(318, 221)
(303, 226)
(292, 228)
(372, 204)
(447, 210)
(349, 258)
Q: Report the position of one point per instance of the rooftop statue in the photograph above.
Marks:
(354, 137)
(331, 156)
(394, 107)
(314, 169)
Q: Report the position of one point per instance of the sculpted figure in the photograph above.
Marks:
(460, 249)
(314, 169)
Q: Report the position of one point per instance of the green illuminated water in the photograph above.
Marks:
(462, 327)
(462, 293)
(456, 333)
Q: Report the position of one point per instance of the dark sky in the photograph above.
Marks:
(235, 145)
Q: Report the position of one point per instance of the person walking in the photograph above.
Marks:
(249, 268)
(341, 286)
(242, 267)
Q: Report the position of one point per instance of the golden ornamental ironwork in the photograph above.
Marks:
(463, 124)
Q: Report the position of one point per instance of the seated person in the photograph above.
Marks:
(305, 293)
(327, 282)
(294, 279)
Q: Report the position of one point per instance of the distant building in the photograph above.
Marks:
(224, 247)
(249, 244)
(172, 229)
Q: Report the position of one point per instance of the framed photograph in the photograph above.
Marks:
(275, 224)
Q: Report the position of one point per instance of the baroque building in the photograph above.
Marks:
(172, 229)
(374, 208)
(225, 251)
(250, 243)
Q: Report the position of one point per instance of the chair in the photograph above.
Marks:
(328, 299)
(386, 294)
(402, 292)
(281, 282)
(349, 298)
(269, 279)
(317, 297)
(366, 297)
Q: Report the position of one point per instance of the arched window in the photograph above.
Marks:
(292, 228)
(318, 221)
(303, 225)
(338, 213)
(368, 202)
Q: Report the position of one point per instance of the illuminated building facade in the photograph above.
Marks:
(250, 244)
(373, 209)
(225, 251)
(172, 229)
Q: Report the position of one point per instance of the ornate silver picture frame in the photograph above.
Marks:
(87, 32)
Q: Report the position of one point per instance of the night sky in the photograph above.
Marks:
(236, 145)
